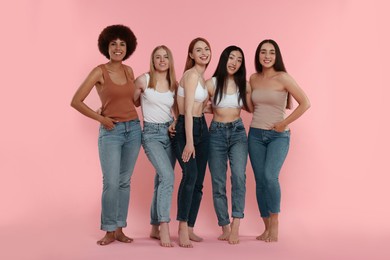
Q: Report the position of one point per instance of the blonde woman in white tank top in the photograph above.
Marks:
(157, 90)
(269, 135)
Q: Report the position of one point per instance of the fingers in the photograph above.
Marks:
(186, 156)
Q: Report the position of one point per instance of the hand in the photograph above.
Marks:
(172, 129)
(108, 123)
(189, 150)
(279, 127)
(99, 110)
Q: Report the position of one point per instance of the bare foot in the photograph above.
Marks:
(263, 236)
(184, 238)
(165, 238)
(121, 237)
(155, 232)
(234, 236)
(225, 233)
(193, 236)
(107, 239)
(273, 229)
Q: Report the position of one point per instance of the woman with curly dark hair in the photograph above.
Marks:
(120, 130)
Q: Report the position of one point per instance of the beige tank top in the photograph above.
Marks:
(270, 107)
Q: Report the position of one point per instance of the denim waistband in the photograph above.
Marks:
(227, 125)
(194, 119)
(166, 124)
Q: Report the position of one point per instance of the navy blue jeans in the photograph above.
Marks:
(267, 151)
(191, 185)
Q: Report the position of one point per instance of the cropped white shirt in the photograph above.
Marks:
(228, 100)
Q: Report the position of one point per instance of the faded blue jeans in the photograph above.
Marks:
(158, 149)
(228, 141)
(190, 190)
(267, 151)
(118, 152)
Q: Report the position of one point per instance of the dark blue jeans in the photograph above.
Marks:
(191, 185)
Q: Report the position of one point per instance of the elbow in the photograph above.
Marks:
(308, 105)
(73, 103)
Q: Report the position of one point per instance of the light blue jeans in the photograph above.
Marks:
(158, 149)
(118, 152)
(267, 151)
(228, 141)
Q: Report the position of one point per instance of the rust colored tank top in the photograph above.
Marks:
(117, 100)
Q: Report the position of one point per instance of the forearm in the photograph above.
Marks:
(86, 110)
(297, 113)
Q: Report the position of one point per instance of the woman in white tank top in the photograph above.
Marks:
(191, 138)
(229, 92)
(157, 91)
(269, 135)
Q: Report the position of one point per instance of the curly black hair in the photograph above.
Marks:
(113, 32)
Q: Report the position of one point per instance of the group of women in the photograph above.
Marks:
(174, 128)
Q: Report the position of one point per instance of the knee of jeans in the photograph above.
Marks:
(167, 178)
(110, 185)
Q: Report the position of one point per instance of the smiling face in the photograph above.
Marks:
(267, 56)
(161, 60)
(201, 53)
(117, 50)
(234, 62)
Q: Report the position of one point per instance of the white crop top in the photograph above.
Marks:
(156, 106)
(201, 93)
(228, 100)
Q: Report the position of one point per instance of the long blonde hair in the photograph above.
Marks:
(171, 76)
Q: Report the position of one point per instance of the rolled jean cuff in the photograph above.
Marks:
(110, 228)
(237, 215)
(224, 223)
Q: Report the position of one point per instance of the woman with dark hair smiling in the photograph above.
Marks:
(120, 130)
(269, 134)
(229, 93)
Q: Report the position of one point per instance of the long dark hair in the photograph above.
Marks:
(278, 66)
(221, 75)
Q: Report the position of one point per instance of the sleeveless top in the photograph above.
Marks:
(156, 106)
(228, 100)
(269, 107)
(201, 93)
(117, 100)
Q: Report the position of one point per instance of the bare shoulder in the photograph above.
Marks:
(254, 76)
(96, 75)
(140, 81)
(189, 76)
(284, 77)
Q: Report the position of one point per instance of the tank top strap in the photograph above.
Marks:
(129, 78)
(105, 72)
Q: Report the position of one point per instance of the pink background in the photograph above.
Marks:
(334, 182)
